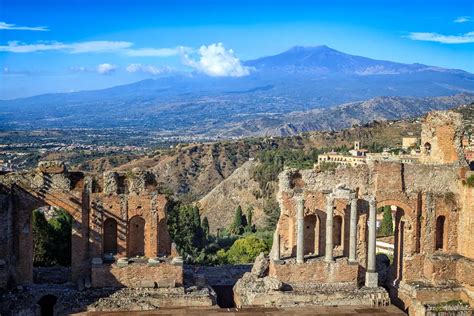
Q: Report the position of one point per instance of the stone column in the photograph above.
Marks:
(353, 231)
(371, 276)
(300, 229)
(329, 227)
(276, 246)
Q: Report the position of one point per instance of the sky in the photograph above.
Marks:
(64, 46)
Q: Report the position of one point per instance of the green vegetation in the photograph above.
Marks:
(470, 181)
(386, 227)
(246, 249)
(52, 239)
(240, 243)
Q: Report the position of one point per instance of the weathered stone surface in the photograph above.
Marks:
(52, 166)
(110, 182)
(260, 267)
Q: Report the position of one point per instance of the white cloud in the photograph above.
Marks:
(215, 60)
(157, 52)
(73, 48)
(104, 69)
(148, 69)
(445, 39)
(7, 26)
(463, 19)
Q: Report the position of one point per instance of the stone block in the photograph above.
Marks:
(371, 279)
(147, 284)
(166, 283)
(177, 261)
(153, 262)
(122, 262)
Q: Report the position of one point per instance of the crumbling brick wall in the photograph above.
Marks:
(91, 199)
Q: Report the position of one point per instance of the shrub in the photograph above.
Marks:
(470, 181)
(245, 250)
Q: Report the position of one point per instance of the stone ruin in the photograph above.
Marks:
(119, 239)
(324, 246)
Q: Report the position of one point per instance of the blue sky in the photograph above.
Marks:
(61, 46)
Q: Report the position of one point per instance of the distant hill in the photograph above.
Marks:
(299, 80)
(347, 115)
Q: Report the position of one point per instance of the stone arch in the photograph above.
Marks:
(25, 201)
(136, 236)
(440, 234)
(46, 305)
(110, 236)
(427, 148)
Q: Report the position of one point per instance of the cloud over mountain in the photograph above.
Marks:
(217, 61)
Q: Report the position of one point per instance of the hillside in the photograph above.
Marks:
(347, 115)
(238, 189)
(192, 171)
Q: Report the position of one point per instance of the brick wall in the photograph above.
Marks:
(137, 275)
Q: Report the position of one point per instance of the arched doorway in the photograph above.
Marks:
(110, 236)
(46, 304)
(51, 240)
(136, 237)
(399, 244)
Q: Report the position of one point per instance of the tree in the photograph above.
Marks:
(52, 239)
(249, 228)
(237, 226)
(246, 249)
(40, 240)
(386, 227)
(205, 226)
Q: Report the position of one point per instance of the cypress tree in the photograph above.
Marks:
(205, 226)
(386, 227)
(237, 226)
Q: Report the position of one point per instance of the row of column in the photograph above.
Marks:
(371, 275)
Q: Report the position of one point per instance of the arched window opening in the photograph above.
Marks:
(337, 231)
(136, 237)
(46, 304)
(440, 221)
(427, 148)
(110, 236)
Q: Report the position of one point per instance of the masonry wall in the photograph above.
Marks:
(89, 204)
(316, 272)
(137, 275)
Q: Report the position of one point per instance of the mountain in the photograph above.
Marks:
(299, 80)
(323, 60)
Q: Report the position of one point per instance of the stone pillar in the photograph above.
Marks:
(353, 231)
(329, 227)
(371, 276)
(276, 246)
(300, 230)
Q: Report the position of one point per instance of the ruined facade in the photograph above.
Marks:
(326, 232)
(119, 232)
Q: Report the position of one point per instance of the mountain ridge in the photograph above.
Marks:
(304, 79)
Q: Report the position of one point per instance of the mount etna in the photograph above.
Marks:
(304, 88)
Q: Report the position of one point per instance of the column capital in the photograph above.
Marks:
(372, 201)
